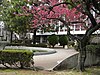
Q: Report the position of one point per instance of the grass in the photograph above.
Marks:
(89, 71)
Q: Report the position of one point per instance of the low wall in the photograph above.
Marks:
(92, 59)
(72, 62)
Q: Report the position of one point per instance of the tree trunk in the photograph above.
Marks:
(21, 65)
(63, 46)
(82, 55)
(11, 37)
(53, 46)
(24, 38)
(34, 36)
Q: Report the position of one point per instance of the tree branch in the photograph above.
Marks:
(96, 11)
(91, 17)
(75, 22)
(96, 4)
(92, 29)
(51, 7)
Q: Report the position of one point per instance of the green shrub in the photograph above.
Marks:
(39, 45)
(17, 41)
(53, 40)
(13, 57)
(76, 47)
(94, 49)
(26, 42)
(15, 44)
(63, 40)
(71, 43)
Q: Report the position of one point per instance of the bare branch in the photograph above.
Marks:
(96, 4)
(67, 3)
(92, 29)
(75, 22)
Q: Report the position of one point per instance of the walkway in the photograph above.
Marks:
(48, 62)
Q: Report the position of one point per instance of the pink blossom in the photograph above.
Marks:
(41, 14)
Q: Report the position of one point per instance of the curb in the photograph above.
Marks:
(48, 50)
(44, 53)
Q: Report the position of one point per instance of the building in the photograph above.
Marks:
(78, 30)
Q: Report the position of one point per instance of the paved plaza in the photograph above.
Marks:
(50, 61)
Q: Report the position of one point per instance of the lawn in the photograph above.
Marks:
(89, 71)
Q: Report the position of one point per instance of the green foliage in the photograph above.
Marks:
(53, 40)
(15, 19)
(76, 47)
(94, 49)
(71, 43)
(0, 2)
(73, 3)
(15, 44)
(16, 23)
(13, 57)
(63, 40)
(39, 45)
(27, 44)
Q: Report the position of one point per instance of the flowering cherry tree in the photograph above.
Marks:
(69, 12)
(49, 12)
(90, 12)
(45, 17)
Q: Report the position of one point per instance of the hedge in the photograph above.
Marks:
(39, 45)
(15, 44)
(17, 58)
(29, 45)
(94, 49)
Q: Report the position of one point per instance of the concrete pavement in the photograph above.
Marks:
(50, 61)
